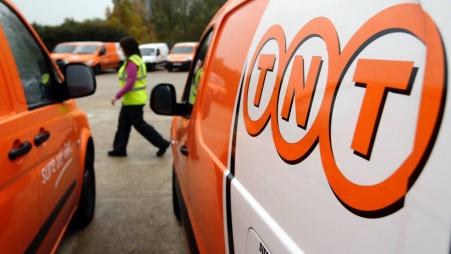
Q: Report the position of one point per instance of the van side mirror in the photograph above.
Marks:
(163, 102)
(102, 52)
(80, 80)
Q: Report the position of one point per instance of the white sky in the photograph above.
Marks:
(53, 12)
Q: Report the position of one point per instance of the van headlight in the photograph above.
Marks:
(188, 58)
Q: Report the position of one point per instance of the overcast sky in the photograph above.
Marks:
(53, 12)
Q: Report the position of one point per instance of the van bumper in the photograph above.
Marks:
(178, 65)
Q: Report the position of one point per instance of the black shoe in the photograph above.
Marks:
(114, 153)
(163, 149)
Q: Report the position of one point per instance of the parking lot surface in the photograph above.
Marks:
(134, 197)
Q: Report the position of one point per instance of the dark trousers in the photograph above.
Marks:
(133, 116)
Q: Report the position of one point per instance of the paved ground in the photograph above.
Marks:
(134, 207)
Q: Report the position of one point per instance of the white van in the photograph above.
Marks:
(315, 127)
(154, 54)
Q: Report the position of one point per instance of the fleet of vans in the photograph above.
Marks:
(316, 127)
(154, 54)
(181, 56)
(62, 51)
(47, 152)
(100, 56)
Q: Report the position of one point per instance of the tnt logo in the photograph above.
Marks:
(285, 85)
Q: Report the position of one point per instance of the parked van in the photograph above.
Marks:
(47, 151)
(316, 127)
(62, 51)
(181, 56)
(120, 54)
(100, 56)
(154, 54)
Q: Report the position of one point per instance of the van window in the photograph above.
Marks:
(33, 66)
(195, 76)
(147, 51)
(182, 50)
(87, 50)
(62, 48)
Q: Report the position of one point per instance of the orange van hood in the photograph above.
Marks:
(179, 57)
(58, 56)
(80, 58)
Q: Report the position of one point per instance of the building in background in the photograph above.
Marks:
(148, 7)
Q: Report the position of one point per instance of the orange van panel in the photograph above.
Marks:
(213, 118)
(5, 91)
(15, 119)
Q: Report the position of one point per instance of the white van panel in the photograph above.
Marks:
(153, 59)
(291, 204)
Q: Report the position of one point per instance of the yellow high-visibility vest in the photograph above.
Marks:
(195, 86)
(138, 94)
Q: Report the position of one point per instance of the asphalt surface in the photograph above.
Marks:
(134, 194)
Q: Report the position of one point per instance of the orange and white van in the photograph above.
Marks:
(100, 56)
(181, 56)
(316, 127)
(62, 51)
(47, 152)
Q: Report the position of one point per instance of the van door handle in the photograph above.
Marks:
(22, 150)
(184, 150)
(41, 137)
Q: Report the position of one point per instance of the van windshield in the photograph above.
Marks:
(64, 49)
(147, 51)
(182, 50)
(87, 49)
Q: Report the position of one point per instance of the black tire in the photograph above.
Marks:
(184, 217)
(175, 198)
(97, 69)
(86, 207)
(169, 67)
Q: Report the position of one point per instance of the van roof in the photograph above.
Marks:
(151, 45)
(79, 43)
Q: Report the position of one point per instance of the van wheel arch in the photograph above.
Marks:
(86, 207)
(175, 198)
(184, 217)
(97, 69)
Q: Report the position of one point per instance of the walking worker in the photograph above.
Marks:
(132, 80)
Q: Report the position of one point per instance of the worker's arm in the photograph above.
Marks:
(132, 74)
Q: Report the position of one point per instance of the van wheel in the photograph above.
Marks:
(175, 198)
(96, 69)
(85, 212)
(180, 208)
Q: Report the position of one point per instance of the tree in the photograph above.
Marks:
(182, 20)
(129, 16)
(70, 30)
(172, 21)
(201, 12)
